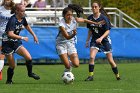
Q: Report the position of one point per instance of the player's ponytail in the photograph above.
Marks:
(77, 8)
(13, 8)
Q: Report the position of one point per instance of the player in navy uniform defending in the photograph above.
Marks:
(5, 15)
(100, 39)
(11, 42)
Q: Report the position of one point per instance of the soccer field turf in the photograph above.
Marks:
(50, 82)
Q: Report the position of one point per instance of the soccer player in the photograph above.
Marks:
(5, 15)
(12, 42)
(100, 39)
(66, 38)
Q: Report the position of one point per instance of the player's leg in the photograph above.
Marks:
(113, 65)
(65, 60)
(72, 52)
(1, 61)
(23, 52)
(74, 60)
(63, 54)
(1, 65)
(10, 70)
(93, 52)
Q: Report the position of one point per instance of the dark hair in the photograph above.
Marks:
(102, 9)
(77, 8)
(66, 10)
(11, 4)
(13, 9)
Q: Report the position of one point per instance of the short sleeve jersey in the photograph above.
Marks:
(69, 28)
(98, 30)
(15, 26)
(4, 17)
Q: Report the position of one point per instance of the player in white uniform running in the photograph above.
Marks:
(66, 38)
(5, 14)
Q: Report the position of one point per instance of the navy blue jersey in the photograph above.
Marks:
(98, 30)
(14, 25)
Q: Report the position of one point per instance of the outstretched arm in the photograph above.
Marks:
(82, 20)
(32, 33)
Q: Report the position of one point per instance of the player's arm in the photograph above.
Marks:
(99, 40)
(65, 34)
(82, 20)
(107, 31)
(10, 28)
(14, 36)
(32, 33)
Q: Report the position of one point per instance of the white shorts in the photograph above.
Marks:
(68, 48)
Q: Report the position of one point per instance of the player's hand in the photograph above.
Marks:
(74, 32)
(36, 40)
(87, 44)
(25, 38)
(99, 40)
(101, 22)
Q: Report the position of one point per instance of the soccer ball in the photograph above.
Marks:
(67, 77)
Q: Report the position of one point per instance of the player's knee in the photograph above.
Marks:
(28, 58)
(12, 66)
(28, 61)
(92, 58)
(75, 64)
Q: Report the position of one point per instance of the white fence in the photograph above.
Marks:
(50, 16)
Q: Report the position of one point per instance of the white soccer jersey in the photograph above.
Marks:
(69, 28)
(4, 16)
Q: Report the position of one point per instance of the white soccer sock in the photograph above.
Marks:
(67, 70)
(1, 64)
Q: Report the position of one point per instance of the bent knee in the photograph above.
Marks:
(76, 65)
(12, 66)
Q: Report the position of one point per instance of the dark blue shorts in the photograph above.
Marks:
(9, 47)
(104, 47)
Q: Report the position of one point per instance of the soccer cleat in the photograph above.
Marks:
(36, 77)
(118, 78)
(89, 78)
(9, 82)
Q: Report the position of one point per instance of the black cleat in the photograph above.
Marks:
(89, 78)
(36, 77)
(118, 78)
(9, 82)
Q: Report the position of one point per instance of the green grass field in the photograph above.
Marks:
(50, 82)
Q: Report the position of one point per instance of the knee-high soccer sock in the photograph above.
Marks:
(91, 69)
(115, 70)
(10, 73)
(29, 66)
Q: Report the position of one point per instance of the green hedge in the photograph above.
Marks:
(130, 7)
